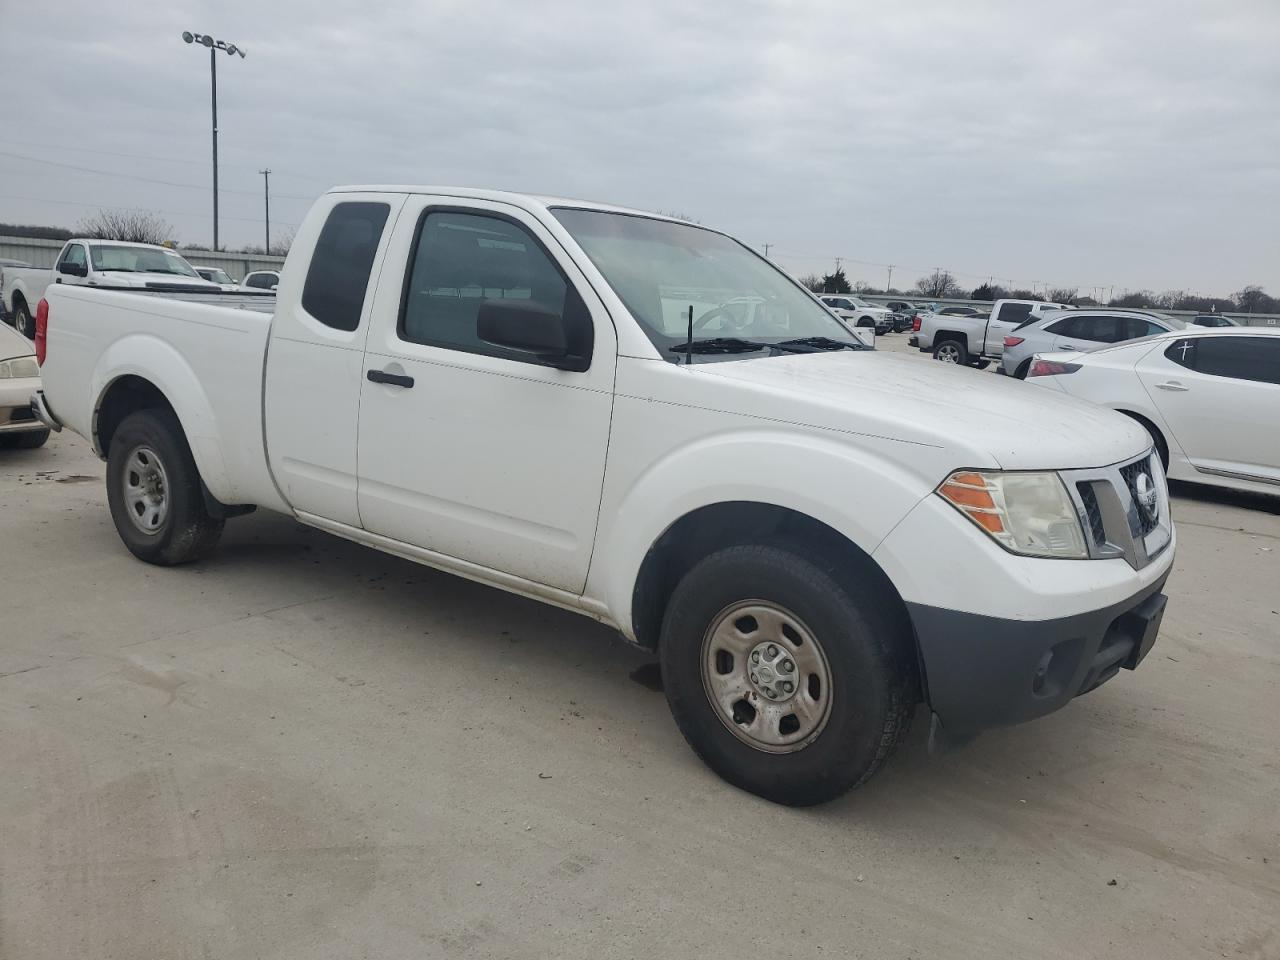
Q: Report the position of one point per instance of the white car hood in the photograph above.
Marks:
(900, 397)
(124, 278)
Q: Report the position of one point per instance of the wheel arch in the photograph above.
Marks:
(1157, 433)
(137, 373)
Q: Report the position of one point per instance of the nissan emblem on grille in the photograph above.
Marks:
(1145, 493)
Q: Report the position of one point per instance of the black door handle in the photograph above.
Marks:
(395, 379)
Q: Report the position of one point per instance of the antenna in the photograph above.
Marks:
(688, 344)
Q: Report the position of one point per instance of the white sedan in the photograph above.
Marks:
(1209, 397)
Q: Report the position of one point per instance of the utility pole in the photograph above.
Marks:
(231, 49)
(838, 259)
(889, 283)
(266, 210)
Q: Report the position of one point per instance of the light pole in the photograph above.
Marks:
(266, 209)
(214, 46)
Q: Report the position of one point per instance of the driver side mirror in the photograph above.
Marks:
(74, 269)
(529, 328)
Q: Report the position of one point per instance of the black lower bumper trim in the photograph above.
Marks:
(983, 672)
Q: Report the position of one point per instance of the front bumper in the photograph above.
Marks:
(16, 412)
(983, 672)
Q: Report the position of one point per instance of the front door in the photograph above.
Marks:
(471, 450)
(1220, 396)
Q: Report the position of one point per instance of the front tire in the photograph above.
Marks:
(153, 489)
(951, 351)
(787, 681)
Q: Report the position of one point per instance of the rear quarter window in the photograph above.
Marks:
(338, 276)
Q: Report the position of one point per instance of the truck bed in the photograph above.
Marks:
(97, 336)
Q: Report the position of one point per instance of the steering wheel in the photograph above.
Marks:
(710, 315)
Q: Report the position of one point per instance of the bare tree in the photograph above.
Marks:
(812, 281)
(940, 283)
(1064, 294)
(134, 226)
(1253, 299)
(280, 246)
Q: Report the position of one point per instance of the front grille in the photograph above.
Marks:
(1123, 510)
(1092, 512)
(1130, 473)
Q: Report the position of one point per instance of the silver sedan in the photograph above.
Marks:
(1082, 329)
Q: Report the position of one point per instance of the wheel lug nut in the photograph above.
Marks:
(787, 686)
(754, 678)
(770, 694)
(788, 666)
(755, 656)
(773, 651)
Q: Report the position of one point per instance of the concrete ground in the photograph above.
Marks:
(305, 749)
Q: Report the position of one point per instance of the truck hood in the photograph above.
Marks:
(1013, 423)
(126, 278)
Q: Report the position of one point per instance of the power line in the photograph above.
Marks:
(131, 176)
(147, 156)
(99, 206)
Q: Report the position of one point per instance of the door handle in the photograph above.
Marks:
(1173, 385)
(394, 379)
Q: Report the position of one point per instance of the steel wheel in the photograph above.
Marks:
(766, 676)
(22, 322)
(146, 489)
(948, 352)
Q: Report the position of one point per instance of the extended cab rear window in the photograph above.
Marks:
(340, 264)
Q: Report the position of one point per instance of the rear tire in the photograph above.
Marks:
(153, 489)
(841, 727)
(951, 351)
(22, 320)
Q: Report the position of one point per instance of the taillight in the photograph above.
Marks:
(915, 323)
(1012, 341)
(42, 330)
(1051, 368)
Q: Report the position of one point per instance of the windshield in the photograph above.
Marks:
(214, 274)
(661, 269)
(139, 260)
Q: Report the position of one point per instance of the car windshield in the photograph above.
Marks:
(139, 260)
(216, 275)
(661, 270)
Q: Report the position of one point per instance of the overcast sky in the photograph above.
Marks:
(1107, 143)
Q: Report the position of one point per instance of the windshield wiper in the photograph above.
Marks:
(822, 343)
(729, 345)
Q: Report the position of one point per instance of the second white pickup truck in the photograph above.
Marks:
(977, 339)
(96, 263)
(569, 401)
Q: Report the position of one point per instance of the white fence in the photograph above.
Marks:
(42, 253)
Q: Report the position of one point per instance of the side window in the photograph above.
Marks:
(1062, 328)
(1240, 358)
(339, 273)
(1014, 312)
(74, 254)
(1150, 329)
(462, 261)
(1183, 353)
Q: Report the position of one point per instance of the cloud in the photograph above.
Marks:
(1096, 143)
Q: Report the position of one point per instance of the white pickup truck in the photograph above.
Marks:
(974, 340)
(541, 395)
(95, 263)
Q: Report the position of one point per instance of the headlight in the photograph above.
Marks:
(21, 367)
(1026, 513)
